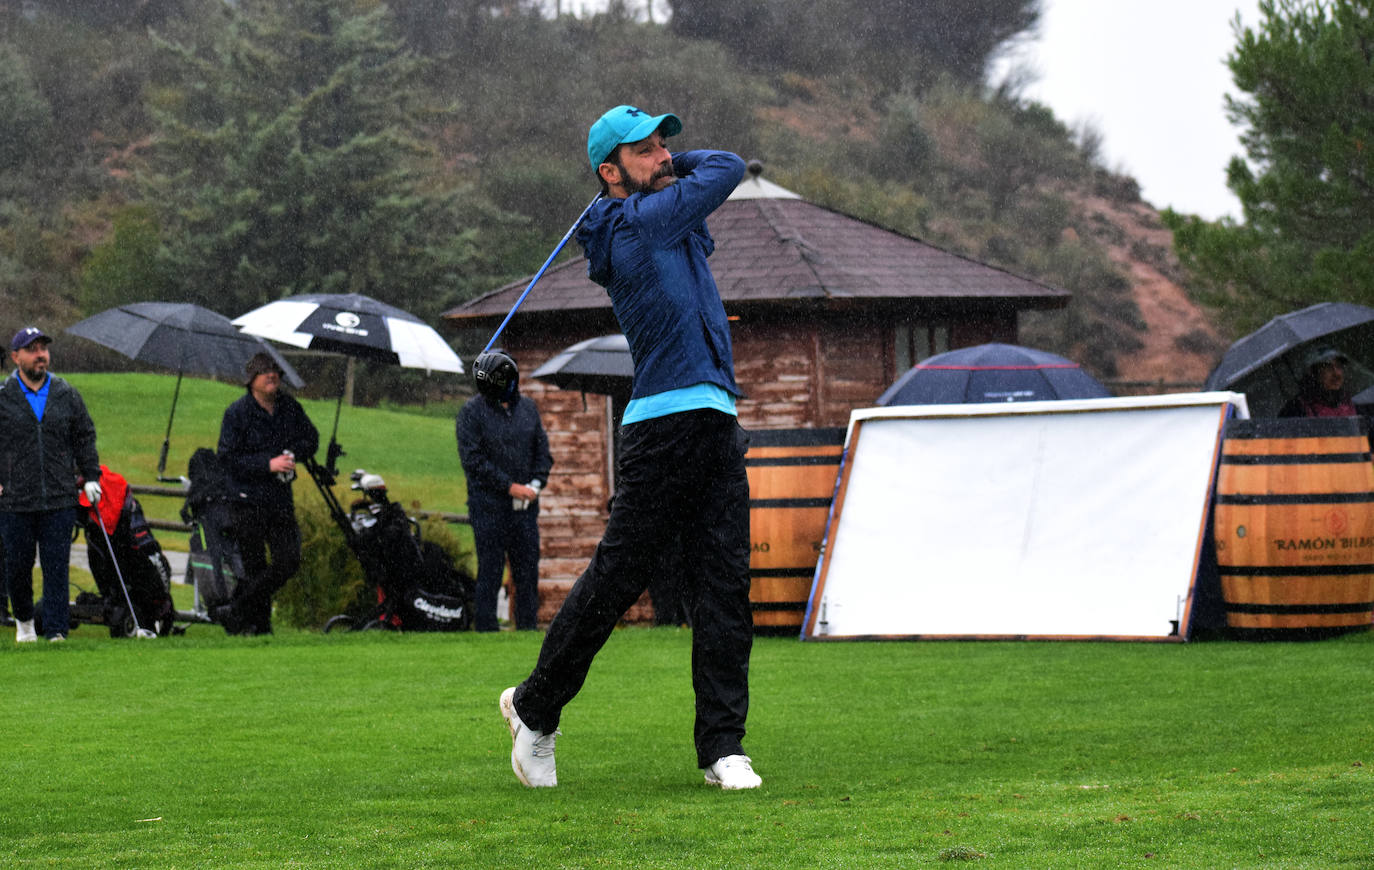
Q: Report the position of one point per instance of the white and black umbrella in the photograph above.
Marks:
(180, 336)
(356, 326)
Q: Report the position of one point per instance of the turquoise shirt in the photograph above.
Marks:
(694, 398)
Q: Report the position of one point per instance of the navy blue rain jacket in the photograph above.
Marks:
(649, 251)
(249, 438)
(498, 446)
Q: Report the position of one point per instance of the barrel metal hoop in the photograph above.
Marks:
(1297, 498)
(1294, 570)
(800, 502)
(1294, 458)
(793, 460)
(1299, 609)
(778, 605)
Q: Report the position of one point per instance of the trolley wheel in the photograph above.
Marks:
(343, 620)
(378, 625)
(123, 624)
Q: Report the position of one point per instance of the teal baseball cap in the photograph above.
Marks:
(625, 124)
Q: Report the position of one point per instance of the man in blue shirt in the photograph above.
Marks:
(47, 444)
(681, 470)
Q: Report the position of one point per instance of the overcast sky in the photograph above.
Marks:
(1150, 76)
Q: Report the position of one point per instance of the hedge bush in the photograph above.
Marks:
(331, 580)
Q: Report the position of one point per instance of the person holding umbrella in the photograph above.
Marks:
(262, 435)
(1322, 391)
(506, 460)
(681, 470)
(47, 445)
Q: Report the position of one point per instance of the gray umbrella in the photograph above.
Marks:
(600, 365)
(178, 336)
(1267, 365)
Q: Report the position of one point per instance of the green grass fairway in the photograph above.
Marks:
(382, 750)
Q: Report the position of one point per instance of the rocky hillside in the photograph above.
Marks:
(1180, 344)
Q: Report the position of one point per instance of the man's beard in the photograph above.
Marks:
(35, 370)
(632, 187)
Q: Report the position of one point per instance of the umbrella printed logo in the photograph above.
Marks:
(346, 322)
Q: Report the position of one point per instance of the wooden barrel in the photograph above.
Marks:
(792, 475)
(1294, 527)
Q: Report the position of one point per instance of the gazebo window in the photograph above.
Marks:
(917, 340)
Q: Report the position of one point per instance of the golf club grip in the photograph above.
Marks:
(542, 269)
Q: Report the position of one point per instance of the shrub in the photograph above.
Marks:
(330, 580)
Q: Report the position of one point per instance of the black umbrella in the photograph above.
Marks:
(1267, 365)
(178, 336)
(992, 373)
(600, 365)
(356, 326)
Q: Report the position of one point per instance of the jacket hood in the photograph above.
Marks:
(594, 235)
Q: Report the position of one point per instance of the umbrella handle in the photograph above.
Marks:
(537, 275)
(167, 438)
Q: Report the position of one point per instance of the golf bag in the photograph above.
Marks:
(417, 587)
(127, 563)
(214, 566)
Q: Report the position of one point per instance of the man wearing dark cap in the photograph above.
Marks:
(262, 435)
(47, 451)
(1322, 390)
(681, 476)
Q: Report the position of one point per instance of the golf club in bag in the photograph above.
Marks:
(112, 484)
(415, 584)
(132, 575)
(139, 631)
(542, 269)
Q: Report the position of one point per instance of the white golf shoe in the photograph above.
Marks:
(531, 754)
(23, 631)
(733, 772)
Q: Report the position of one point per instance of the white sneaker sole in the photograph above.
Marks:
(711, 780)
(508, 713)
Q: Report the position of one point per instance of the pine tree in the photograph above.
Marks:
(290, 160)
(1307, 189)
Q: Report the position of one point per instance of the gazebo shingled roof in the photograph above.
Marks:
(773, 247)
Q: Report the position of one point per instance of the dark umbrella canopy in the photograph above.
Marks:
(1267, 365)
(180, 336)
(600, 365)
(992, 373)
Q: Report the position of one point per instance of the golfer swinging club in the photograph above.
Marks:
(682, 462)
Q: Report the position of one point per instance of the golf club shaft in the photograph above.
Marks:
(537, 275)
(114, 562)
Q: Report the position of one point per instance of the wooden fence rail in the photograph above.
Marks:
(180, 492)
